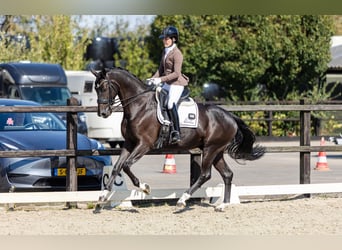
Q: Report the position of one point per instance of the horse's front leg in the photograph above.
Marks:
(105, 194)
(139, 151)
(125, 161)
(117, 168)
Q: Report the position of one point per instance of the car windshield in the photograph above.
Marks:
(30, 121)
(47, 96)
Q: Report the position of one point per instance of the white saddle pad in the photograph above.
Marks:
(187, 112)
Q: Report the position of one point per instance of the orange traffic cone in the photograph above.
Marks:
(170, 164)
(322, 163)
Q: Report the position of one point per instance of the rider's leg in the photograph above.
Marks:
(175, 133)
(163, 98)
(174, 94)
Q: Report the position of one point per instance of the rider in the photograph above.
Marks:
(169, 73)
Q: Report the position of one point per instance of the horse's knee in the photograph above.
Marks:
(207, 177)
(204, 177)
(228, 177)
(115, 172)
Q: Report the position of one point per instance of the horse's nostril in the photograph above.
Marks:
(104, 114)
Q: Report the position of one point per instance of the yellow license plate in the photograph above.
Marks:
(63, 171)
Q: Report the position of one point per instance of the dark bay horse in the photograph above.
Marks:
(218, 131)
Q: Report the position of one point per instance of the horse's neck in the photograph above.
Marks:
(129, 85)
(132, 93)
(131, 90)
(140, 103)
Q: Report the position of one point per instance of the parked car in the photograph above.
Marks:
(43, 131)
(45, 83)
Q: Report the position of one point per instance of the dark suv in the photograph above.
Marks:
(40, 82)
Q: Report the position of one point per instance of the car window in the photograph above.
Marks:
(30, 121)
(47, 96)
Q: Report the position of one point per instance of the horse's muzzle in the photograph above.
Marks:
(104, 113)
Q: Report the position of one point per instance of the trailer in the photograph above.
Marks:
(81, 84)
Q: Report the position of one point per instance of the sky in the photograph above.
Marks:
(133, 20)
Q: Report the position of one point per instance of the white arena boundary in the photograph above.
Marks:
(164, 194)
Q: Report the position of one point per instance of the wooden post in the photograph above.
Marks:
(269, 123)
(305, 171)
(195, 166)
(71, 178)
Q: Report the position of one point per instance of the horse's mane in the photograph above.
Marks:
(129, 73)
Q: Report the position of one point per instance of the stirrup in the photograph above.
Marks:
(175, 137)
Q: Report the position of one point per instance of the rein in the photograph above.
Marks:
(114, 103)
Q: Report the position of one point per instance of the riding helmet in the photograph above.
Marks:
(170, 31)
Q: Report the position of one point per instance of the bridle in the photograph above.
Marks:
(113, 90)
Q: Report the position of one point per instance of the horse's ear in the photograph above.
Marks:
(104, 72)
(94, 73)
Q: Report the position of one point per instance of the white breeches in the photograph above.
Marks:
(175, 92)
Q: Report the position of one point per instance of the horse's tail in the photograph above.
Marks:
(242, 146)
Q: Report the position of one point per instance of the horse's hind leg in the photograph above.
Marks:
(227, 175)
(205, 175)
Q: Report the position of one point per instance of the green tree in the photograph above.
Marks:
(58, 40)
(254, 57)
(13, 42)
(52, 39)
(301, 55)
(133, 53)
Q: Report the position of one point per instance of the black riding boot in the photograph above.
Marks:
(175, 133)
(163, 98)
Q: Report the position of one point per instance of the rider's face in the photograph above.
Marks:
(167, 42)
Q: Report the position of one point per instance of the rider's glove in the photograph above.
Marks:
(149, 81)
(153, 82)
(156, 81)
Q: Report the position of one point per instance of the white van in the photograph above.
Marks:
(81, 85)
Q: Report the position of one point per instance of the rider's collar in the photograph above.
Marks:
(168, 49)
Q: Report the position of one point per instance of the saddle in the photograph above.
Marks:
(163, 100)
(187, 112)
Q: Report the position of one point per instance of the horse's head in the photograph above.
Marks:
(106, 93)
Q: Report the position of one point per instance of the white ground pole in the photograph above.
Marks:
(124, 195)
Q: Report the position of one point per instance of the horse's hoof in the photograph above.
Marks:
(181, 204)
(145, 188)
(221, 207)
(102, 199)
(97, 209)
(103, 196)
